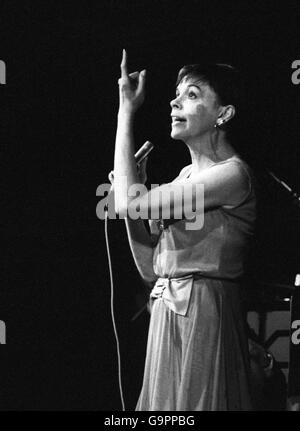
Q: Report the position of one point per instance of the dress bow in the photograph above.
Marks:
(175, 292)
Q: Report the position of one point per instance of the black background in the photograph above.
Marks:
(58, 121)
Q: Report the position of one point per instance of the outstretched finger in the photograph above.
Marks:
(124, 64)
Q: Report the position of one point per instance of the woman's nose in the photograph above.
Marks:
(175, 103)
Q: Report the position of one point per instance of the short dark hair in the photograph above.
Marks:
(223, 79)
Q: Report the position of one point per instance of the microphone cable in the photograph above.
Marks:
(139, 157)
(112, 309)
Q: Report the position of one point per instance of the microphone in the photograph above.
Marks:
(139, 156)
(143, 152)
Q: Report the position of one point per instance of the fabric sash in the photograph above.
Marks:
(175, 292)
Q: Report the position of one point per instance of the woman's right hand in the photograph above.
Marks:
(131, 88)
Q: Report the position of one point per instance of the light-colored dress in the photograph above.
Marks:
(197, 353)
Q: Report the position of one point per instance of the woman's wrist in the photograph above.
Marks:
(126, 114)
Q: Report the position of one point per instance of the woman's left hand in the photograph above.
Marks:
(131, 88)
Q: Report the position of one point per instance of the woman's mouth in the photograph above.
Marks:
(177, 120)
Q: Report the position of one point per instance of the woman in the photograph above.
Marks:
(197, 357)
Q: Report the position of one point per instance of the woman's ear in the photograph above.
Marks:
(228, 113)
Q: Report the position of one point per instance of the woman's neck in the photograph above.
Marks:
(210, 149)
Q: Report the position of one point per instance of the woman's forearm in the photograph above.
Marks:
(141, 248)
(125, 171)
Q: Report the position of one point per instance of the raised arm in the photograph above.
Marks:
(131, 96)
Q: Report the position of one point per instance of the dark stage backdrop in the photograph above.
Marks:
(58, 120)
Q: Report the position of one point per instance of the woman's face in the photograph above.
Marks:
(194, 110)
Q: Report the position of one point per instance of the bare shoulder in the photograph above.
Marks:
(233, 166)
(184, 171)
(234, 180)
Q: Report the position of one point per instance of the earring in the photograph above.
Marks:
(219, 123)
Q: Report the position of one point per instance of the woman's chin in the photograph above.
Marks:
(176, 135)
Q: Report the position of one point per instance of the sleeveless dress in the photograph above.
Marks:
(197, 352)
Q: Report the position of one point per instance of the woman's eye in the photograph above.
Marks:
(192, 94)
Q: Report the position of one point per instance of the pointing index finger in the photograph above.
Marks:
(124, 64)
